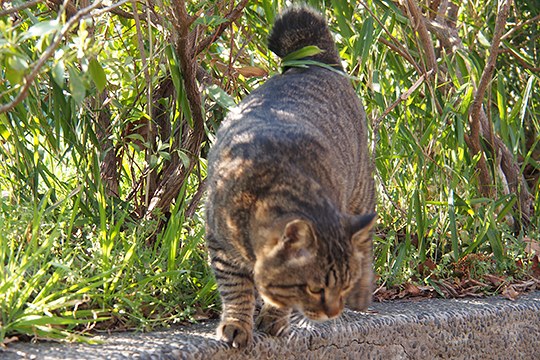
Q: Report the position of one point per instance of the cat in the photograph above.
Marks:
(291, 197)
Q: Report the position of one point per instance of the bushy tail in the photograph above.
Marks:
(298, 27)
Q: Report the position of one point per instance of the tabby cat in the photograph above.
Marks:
(291, 196)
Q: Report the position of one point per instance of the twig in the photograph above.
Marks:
(519, 26)
(487, 74)
(15, 9)
(232, 16)
(59, 36)
(403, 53)
(112, 8)
(520, 60)
(417, 20)
(151, 18)
(402, 97)
(196, 199)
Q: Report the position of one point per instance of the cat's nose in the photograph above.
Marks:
(333, 311)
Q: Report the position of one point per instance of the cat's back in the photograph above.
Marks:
(302, 116)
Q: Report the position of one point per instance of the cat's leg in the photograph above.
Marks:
(273, 321)
(360, 296)
(237, 292)
(238, 302)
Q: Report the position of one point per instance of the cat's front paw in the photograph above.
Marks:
(235, 333)
(273, 321)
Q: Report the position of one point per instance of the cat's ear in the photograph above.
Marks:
(298, 239)
(360, 227)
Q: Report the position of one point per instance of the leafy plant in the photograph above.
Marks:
(108, 113)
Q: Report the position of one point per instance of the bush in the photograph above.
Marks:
(108, 114)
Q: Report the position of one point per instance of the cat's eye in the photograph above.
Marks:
(315, 290)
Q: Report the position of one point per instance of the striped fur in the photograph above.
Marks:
(291, 194)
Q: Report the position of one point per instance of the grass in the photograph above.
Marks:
(64, 276)
(75, 260)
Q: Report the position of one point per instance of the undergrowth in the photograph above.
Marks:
(107, 121)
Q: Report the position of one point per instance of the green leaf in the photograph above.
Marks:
(184, 158)
(178, 82)
(526, 96)
(366, 39)
(303, 53)
(98, 74)
(42, 28)
(483, 40)
(76, 86)
(4, 131)
(221, 97)
(15, 69)
(59, 73)
(453, 226)
(307, 63)
(36, 320)
(269, 7)
(466, 101)
(210, 20)
(343, 12)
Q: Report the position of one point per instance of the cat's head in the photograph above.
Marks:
(310, 269)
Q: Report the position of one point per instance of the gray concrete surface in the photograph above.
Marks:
(492, 328)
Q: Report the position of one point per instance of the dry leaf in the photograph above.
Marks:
(510, 293)
(412, 290)
(535, 268)
(252, 71)
(427, 267)
(495, 280)
(532, 246)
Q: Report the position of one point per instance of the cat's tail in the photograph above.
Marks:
(298, 27)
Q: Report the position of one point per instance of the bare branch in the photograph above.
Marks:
(187, 50)
(112, 8)
(59, 36)
(519, 26)
(190, 211)
(476, 106)
(448, 36)
(15, 9)
(180, 16)
(150, 179)
(487, 74)
(520, 60)
(441, 11)
(403, 53)
(403, 97)
(417, 19)
(175, 175)
(110, 159)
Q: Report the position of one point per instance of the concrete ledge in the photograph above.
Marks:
(492, 328)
